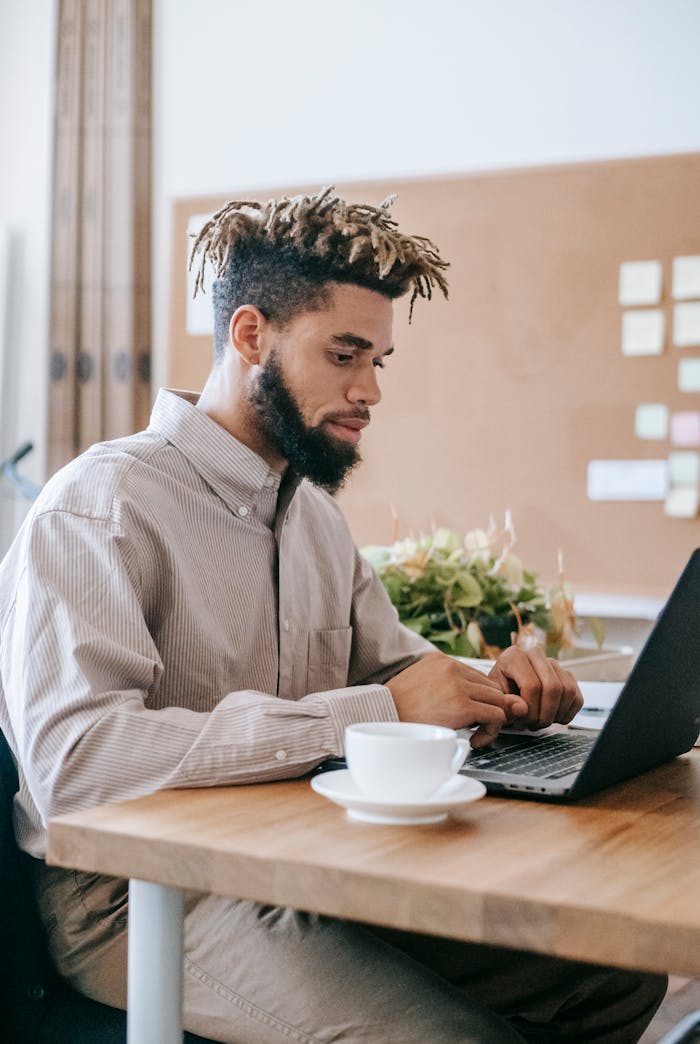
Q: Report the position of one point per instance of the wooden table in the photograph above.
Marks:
(614, 878)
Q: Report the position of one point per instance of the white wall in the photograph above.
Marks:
(26, 100)
(249, 94)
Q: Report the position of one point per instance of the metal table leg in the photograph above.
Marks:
(155, 964)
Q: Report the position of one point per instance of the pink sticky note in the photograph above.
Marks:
(685, 429)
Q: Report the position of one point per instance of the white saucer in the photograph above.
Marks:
(338, 787)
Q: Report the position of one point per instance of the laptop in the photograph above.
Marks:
(655, 718)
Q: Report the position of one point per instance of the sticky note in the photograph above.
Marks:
(684, 469)
(200, 313)
(685, 428)
(686, 276)
(643, 332)
(686, 324)
(682, 502)
(651, 420)
(689, 375)
(640, 283)
(627, 479)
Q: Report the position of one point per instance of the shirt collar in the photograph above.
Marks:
(233, 470)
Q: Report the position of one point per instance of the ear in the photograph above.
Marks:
(245, 330)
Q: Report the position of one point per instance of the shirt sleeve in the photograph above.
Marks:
(382, 646)
(80, 668)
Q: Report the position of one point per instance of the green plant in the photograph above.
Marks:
(472, 596)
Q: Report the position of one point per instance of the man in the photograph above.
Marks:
(185, 607)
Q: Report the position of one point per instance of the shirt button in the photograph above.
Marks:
(281, 755)
(286, 625)
(243, 511)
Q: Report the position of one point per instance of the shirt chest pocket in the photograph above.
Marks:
(329, 659)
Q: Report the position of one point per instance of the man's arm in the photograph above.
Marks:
(523, 688)
(427, 686)
(80, 672)
(382, 646)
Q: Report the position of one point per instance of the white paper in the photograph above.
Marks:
(640, 283)
(643, 332)
(682, 502)
(686, 276)
(689, 375)
(684, 469)
(651, 421)
(200, 313)
(598, 700)
(627, 479)
(686, 324)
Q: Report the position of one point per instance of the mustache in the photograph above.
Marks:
(360, 414)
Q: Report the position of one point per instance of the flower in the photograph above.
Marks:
(472, 596)
(510, 568)
(477, 544)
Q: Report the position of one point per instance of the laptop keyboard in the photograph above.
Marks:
(548, 758)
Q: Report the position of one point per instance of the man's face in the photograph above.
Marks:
(318, 380)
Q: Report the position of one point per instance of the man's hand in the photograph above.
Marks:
(549, 692)
(440, 690)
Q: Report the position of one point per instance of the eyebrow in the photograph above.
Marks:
(350, 340)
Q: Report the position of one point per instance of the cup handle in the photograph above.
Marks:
(460, 755)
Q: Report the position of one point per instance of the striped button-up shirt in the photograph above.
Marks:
(173, 616)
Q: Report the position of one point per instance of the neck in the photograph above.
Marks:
(224, 399)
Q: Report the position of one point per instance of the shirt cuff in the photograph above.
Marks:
(355, 704)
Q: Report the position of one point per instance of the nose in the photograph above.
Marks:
(364, 389)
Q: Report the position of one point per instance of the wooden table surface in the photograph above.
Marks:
(614, 878)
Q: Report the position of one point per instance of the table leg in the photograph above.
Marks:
(155, 964)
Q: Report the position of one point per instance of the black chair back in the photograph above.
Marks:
(27, 979)
(36, 1006)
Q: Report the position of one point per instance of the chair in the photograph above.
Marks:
(36, 1006)
(686, 1032)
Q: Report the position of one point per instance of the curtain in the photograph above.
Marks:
(99, 344)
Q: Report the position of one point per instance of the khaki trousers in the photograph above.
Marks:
(265, 975)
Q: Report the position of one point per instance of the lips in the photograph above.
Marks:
(348, 429)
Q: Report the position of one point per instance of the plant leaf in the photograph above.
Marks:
(598, 630)
(463, 647)
(419, 624)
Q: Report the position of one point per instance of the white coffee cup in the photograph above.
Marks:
(401, 760)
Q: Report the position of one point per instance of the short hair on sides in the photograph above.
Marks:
(281, 255)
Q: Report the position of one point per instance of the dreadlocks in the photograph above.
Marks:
(281, 256)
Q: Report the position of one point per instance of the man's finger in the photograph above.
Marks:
(518, 676)
(572, 700)
(486, 733)
(471, 674)
(491, 695)
(552, 689)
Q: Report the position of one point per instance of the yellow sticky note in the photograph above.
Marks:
(651, 420)
(643, 332)
(686, 324)
(684, 469)
(682, 502)
(686, 277)
(640, 283)
(689, 375)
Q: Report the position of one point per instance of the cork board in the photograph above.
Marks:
(501, 396)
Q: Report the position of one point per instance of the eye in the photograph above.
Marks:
(341, 358)
(379, 363)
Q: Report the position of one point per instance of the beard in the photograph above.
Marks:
(310, 451)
